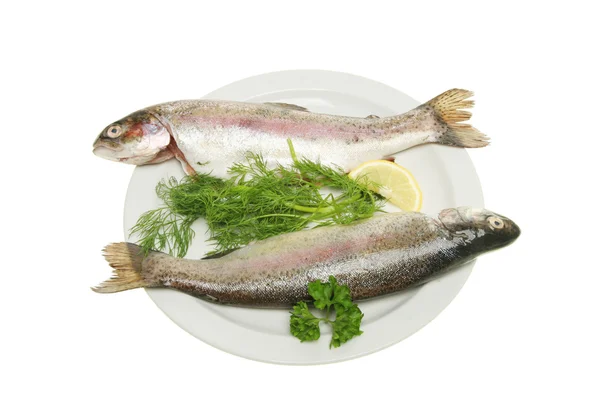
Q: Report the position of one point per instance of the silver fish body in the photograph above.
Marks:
(381, 255)
(210, 135)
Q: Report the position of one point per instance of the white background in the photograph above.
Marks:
(524, 326)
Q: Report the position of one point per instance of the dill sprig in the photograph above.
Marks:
(257, 202)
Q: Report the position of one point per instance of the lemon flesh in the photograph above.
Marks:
(392, 181)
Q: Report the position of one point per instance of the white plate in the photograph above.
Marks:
(447, 178)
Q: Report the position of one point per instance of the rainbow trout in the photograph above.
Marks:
(209, 135)
(384, 254)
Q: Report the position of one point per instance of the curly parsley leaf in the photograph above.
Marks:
(346, 325)
(321, 293)
(305, 326)
(341, 296)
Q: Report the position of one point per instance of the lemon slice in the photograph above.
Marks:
(394, 182)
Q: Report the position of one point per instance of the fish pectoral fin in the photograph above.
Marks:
(372, 116)
(288, 106)
(189, 170)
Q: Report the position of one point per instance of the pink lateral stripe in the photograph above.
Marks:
(287, 128)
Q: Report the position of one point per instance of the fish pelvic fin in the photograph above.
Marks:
(126, 260)
(449, 108)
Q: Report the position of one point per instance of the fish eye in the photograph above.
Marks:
(495, 223)
(113, 131)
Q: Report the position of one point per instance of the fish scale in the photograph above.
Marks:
(208, 136)
(377, 256)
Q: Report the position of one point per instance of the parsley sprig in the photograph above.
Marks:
(346, 325)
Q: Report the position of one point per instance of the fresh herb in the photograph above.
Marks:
(257, 202)
(305, 326)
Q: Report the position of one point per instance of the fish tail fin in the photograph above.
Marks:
(449, 108)
(126, 259)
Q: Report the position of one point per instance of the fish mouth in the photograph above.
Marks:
(102, 142)
(516, 231)
(107, 150)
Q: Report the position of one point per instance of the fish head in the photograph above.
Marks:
(136, 139)
(488, 229)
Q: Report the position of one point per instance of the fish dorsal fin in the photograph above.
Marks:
(288, 106)
(372, 116)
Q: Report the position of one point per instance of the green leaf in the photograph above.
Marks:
(256, 203)
(346, 325)
(321, 293)
(303, 324)
(341, 296)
